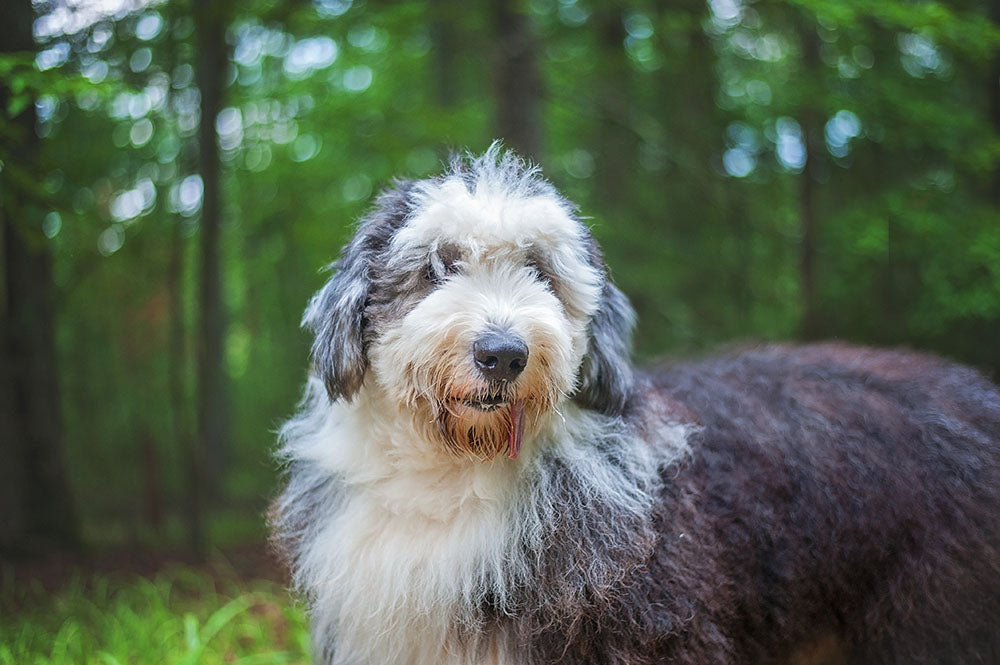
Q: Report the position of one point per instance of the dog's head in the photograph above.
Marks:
(478, 301)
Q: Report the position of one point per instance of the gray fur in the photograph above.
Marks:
(606, 379)
(310, 492)
(337, 314)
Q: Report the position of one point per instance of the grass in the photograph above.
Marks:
(181, 616)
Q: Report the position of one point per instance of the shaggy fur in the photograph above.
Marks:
(815, 504)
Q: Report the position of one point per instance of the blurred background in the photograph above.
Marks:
(174, 175)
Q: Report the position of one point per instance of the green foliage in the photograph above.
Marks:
(26, 83)
(963, 29)
(179, 617)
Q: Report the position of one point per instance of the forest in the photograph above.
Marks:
(175, 175)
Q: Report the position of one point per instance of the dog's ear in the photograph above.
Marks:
(606, 379)
(336, 315)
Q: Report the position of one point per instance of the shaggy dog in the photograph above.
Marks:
(477, 473)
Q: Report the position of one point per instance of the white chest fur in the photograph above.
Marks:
(414, 542)
(400, 583)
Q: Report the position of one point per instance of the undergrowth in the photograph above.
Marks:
(183, 616)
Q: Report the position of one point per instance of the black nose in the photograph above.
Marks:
(500, 356)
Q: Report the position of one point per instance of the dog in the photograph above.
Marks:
(478, 474)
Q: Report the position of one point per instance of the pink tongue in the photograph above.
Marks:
(516, 430)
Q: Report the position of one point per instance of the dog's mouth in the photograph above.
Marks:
(481, 401)
(506, 407)
(486, 404)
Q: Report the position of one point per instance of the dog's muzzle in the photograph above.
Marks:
(501, 357)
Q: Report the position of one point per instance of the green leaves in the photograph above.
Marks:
(26, 83)
(968, 32)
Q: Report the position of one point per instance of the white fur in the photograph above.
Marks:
(496, 220)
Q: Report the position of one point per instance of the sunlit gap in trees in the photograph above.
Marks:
(69, 17)
(164, 113)
(738, 30)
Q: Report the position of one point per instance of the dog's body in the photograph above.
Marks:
(477, 475)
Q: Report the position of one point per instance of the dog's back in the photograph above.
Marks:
(838, 505)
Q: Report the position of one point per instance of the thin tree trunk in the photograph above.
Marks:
(37, 510)
(616, 140)
(12, 472)
(993, 330)
(213, 406)
(517, 84)
(994, 97)
(445, 41)
(178, 373)
(809, 327)
(812, 122)
(743, 272)
(177, 377)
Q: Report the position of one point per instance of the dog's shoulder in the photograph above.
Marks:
(826, 408)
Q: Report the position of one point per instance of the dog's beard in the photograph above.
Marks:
(488, 422)
(452, 404)
(485, 433)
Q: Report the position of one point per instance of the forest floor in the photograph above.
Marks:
(133, 606)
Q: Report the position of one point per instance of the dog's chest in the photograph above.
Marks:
(406, 580)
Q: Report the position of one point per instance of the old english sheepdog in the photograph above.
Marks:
(478, 474)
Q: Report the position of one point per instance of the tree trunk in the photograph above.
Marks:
(616, 141)
(517, 83)
(178, 369)
(809, 327)
(445, 41)
(36, 509)
(993, 330)
(12, 473)
(177, 378)
(812, 139)
(213, 406)
(994, 96)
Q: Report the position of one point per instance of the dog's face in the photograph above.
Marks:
(477, 302)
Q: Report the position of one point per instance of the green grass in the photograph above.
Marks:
(183, 616)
